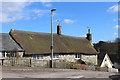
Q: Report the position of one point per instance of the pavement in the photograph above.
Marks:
(49, 73)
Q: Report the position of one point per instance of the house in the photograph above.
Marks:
(108, 61)
(8, 47)
(66, 48)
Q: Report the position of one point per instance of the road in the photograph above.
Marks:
(30, 72)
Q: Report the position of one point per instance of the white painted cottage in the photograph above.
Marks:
(108, 62)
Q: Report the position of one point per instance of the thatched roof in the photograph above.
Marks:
(39, 43)
(8, 44)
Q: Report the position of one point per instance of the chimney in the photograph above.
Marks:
(11, 30)
(59, 29)
(89, 36)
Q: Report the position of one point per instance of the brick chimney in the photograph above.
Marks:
(11, 30)
(89, 36)
(59, 29)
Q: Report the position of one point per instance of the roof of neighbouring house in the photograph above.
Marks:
(8, 44)
(111, 48)
(112, 57)
(39, 43)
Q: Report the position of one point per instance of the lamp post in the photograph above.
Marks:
(52, 38)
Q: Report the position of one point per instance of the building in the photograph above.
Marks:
(66, 48)
(8, 47)
(108, 61)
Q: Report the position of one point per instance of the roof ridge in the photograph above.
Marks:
(50, 33)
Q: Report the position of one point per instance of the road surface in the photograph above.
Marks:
(30, 72)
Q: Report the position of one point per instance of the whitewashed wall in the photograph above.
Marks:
(0, 54)
(106, 62)
(112, 70)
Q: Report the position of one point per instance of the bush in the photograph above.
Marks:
(74, 65)
(97, 68)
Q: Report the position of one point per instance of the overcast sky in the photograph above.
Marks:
(75, 17)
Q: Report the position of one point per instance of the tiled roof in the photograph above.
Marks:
(8, 44)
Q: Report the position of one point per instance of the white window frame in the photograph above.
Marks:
(39, 57)
(55, 56)
(77, 56)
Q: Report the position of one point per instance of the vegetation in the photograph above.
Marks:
(111, 48)
(108, 47)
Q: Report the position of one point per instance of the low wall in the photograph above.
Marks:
(112, 70)
(28, 62)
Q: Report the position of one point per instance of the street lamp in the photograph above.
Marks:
(52, 38)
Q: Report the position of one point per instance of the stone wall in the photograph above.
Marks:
(67, 57)
(92, 59)
(25, 62)
(46, 57)
(20, 54)
(29, 62)
(62, 57)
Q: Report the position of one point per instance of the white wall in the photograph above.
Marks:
(106, 62)
(112, 70)
(0, 54)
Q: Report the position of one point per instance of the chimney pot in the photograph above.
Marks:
(12, 30)
(59, 29)
(89, 31)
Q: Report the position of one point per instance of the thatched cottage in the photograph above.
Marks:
(66, 48)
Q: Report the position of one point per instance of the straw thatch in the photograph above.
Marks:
(39, 43)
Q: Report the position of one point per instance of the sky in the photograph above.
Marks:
(75, 18)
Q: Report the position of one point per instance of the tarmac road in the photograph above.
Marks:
(26, 73)
(56, 79)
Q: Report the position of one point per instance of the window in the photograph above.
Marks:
(77, 56)
(3, 54)
(55, 56)
(106, 59)
(38, 57)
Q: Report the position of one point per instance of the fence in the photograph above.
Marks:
(28, 62)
